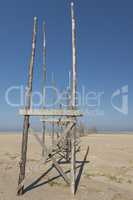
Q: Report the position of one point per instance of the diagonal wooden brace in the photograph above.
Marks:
(59, 169)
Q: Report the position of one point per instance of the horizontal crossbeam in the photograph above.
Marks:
(57, 120)
(50, 112)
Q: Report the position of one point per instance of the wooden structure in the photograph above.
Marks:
(66, 142)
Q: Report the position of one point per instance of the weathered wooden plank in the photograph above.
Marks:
(57, 120)
(50, 112)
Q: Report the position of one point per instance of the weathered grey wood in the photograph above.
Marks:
(43, 138)
(59, 169)
(73, 160)
(26, 117)
(50, 112)
(52, 136)
(57, 120)
(44, 83)
(66, 131)
(73, 99)
(53, 99)
(68, 147)
(74, 86)
(47, 151)
(66, 141)
(48, 154)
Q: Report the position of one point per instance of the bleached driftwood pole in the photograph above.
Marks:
(26, 117)
(43, 87)
(74, 82)
(73, 100)
(53, 124)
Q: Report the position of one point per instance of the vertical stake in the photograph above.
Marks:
(26, 117)
(43, 87)
(73, 100)
(53, 125)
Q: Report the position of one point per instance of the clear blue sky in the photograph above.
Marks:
(105, 52)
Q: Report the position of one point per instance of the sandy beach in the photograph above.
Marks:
(107, 173)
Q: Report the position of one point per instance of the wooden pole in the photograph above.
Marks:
(73, 101)
(53, 126)
(44, 82)
(53, 134)
(74, 87)
(68, 141)
(26, 117)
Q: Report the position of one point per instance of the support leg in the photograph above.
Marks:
(26, 118)
(23, 155)
(68, 147)
(53, 135)
(73, 160)
(43, 140)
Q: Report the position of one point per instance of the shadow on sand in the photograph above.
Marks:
(36, 183)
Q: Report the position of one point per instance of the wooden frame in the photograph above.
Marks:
(67, 141)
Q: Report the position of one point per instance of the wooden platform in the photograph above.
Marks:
(48, 112)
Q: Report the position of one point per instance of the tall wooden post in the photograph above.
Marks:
(53, 125)
(26, 117)
(74, 87)
(44, 82)
(73, 100)
(68, 141)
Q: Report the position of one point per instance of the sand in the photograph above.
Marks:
(106, 175)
